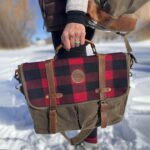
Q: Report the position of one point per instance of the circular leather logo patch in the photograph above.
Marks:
(78, 76)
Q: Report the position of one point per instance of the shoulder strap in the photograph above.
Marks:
(78, 138)
(126, 41)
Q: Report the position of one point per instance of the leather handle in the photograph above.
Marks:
(59, 47)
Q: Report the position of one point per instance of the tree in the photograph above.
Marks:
(17, 23)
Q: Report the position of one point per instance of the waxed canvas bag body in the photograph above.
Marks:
(76, 93)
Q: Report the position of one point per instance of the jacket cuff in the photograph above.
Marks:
(76, 17)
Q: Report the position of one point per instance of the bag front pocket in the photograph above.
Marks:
(116, 108)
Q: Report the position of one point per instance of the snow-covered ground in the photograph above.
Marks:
(16, 126)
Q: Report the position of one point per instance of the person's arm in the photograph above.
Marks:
(74, 32)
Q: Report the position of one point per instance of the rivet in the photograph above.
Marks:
(96, 91)
(46, 96)
(109, 89)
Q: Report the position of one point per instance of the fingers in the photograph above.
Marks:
(65, 40)
(73, 35)
(82, 38)
(72, 39)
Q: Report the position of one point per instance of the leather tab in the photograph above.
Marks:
(104, 109)
(53, 120)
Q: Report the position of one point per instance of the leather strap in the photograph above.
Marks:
(127, 44)
(59, 47)
(78, 138)
(102, 87)
(52, 96)
(126, 41)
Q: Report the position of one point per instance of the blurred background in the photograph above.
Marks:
(23, 38)
(21, 25)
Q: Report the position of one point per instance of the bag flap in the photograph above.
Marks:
(76, 78)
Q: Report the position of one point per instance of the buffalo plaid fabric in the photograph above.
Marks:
(37, 84)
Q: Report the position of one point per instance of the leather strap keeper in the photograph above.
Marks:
(53, 119)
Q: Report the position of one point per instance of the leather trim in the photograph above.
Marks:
(102, 76)
(52, 96)
(102, 87)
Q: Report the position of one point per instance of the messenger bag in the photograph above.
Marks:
(79, 93)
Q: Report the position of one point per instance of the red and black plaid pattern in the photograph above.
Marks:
(37, 84)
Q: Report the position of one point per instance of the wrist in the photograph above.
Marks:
(76, 17)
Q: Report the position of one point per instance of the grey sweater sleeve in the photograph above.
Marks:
(77, 5)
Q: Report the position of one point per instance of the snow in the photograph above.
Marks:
(16, 126)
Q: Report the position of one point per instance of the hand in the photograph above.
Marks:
(73, 35)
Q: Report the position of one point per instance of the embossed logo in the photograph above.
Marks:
(78, 76)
